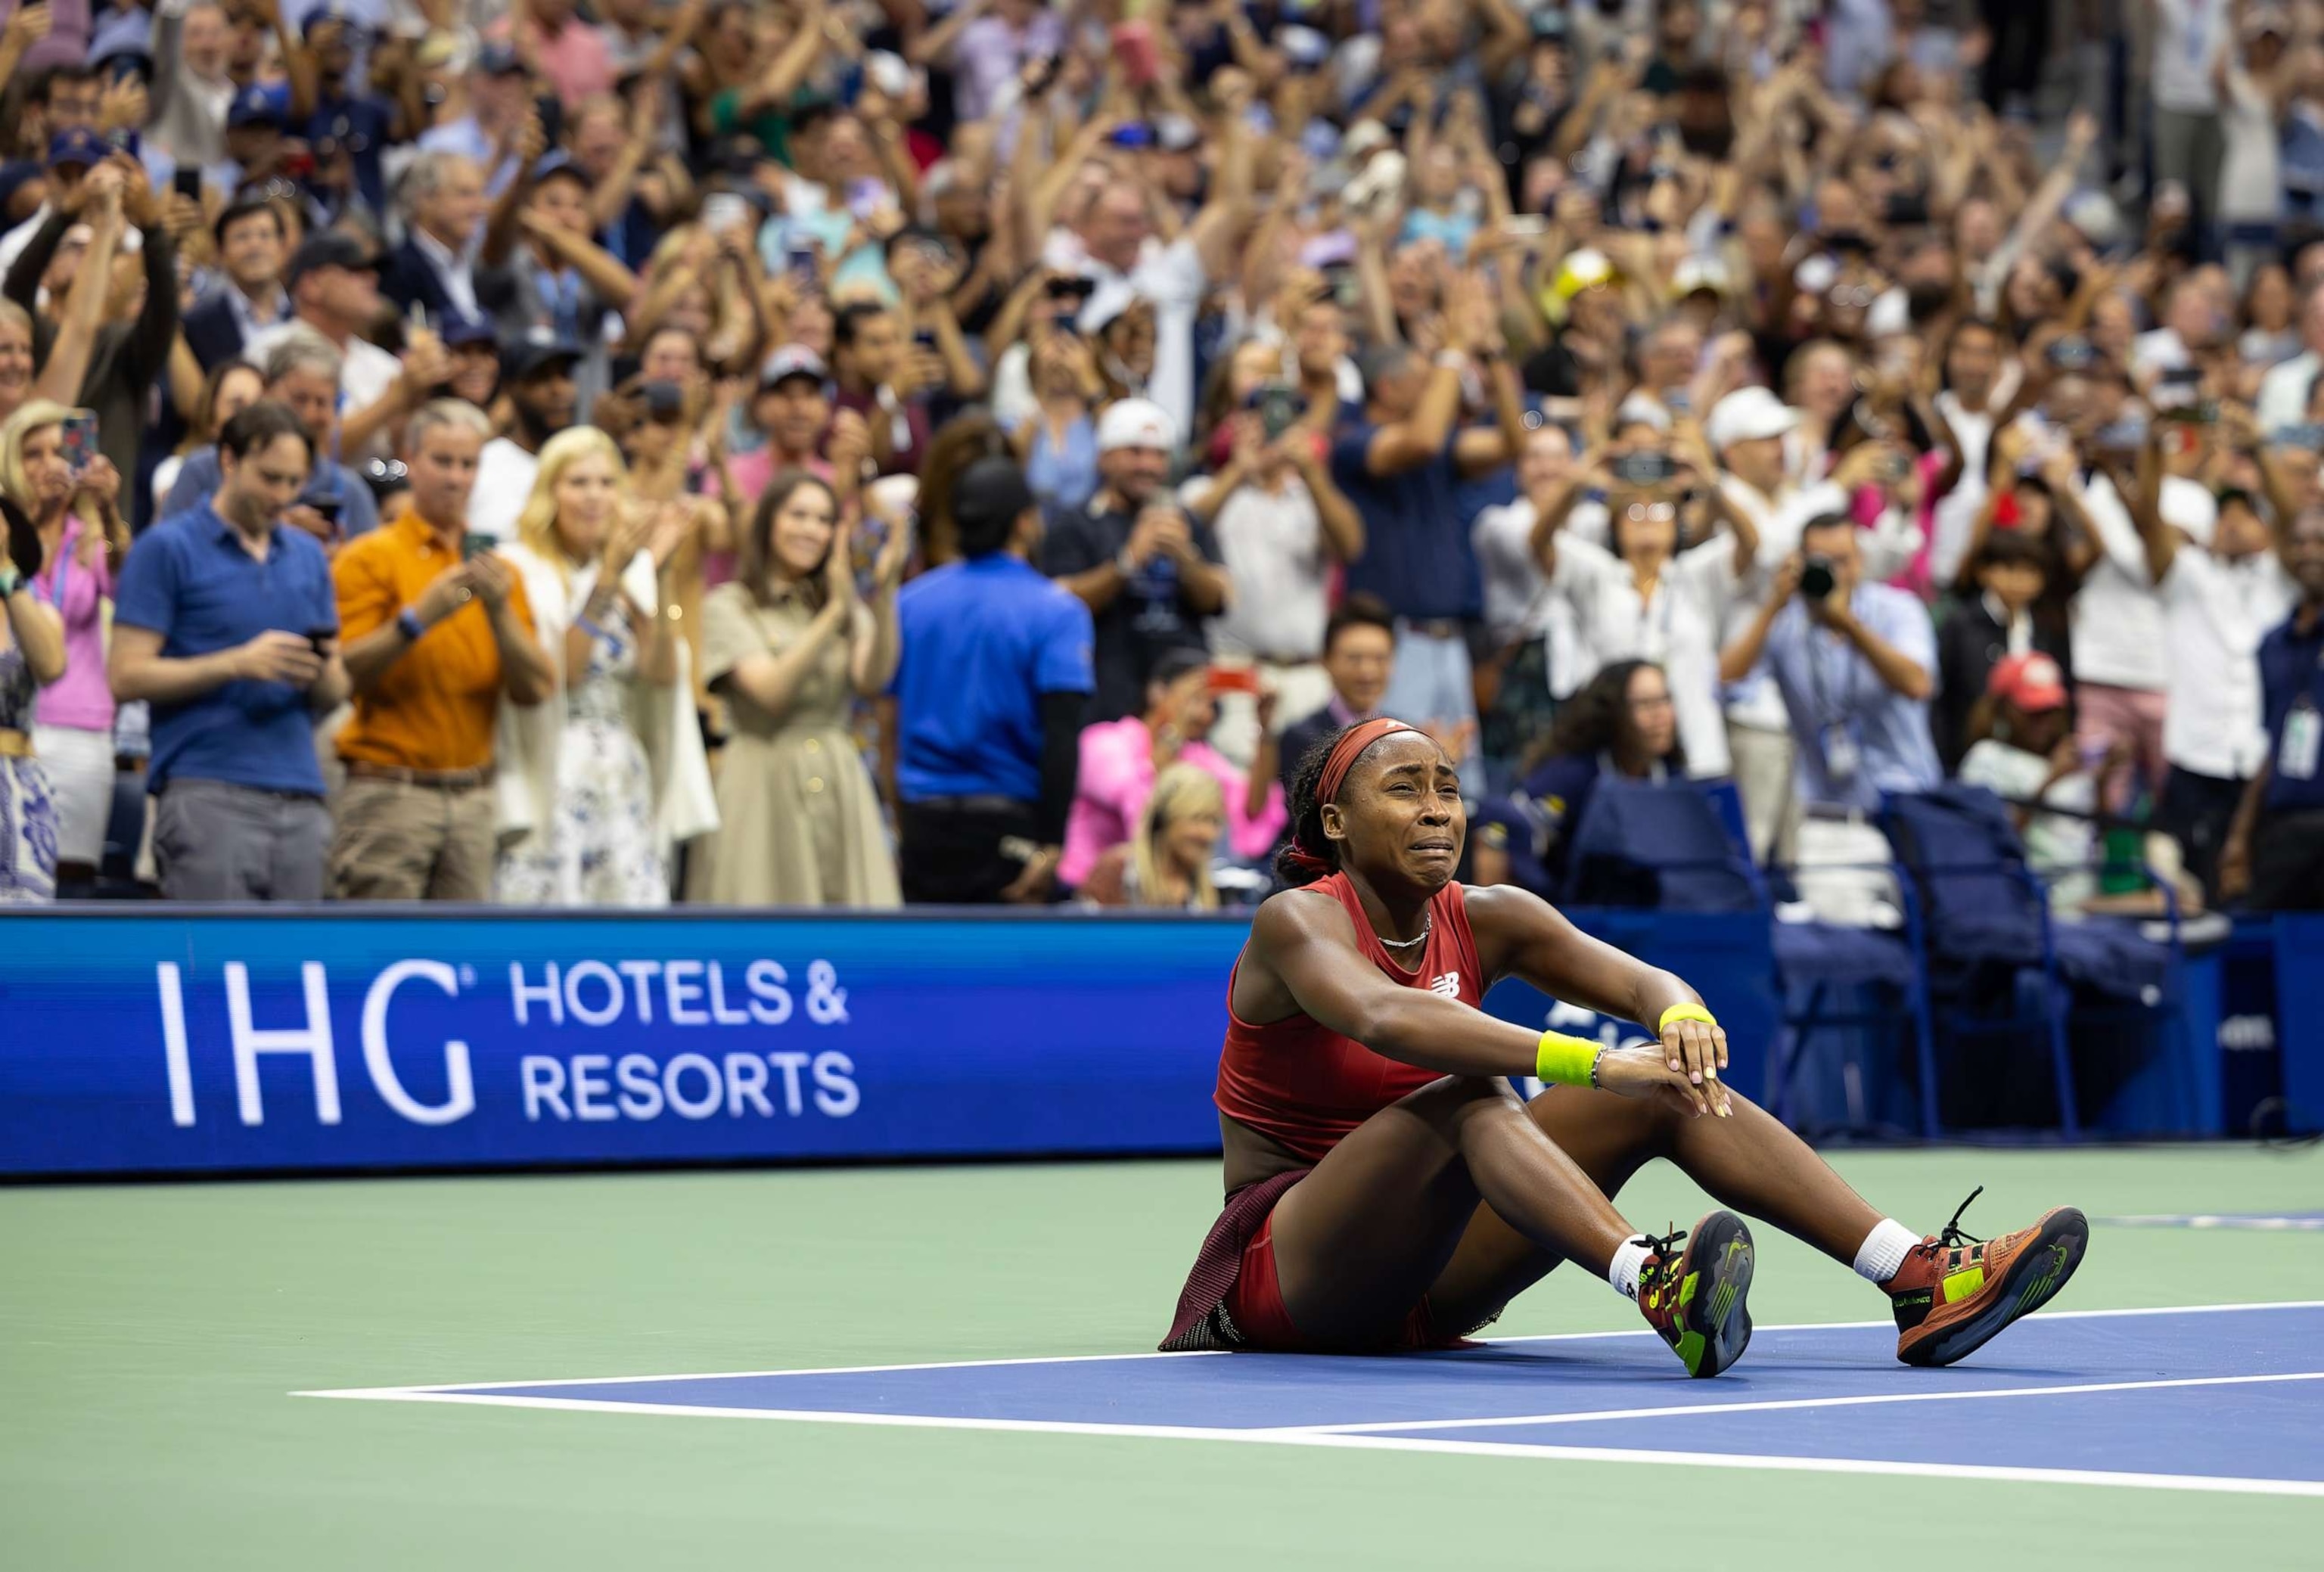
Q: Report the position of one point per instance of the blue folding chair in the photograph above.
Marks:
(1826, 966)
(1987, 935)
(1670, 847)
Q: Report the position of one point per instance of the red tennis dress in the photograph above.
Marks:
(1306, 1087)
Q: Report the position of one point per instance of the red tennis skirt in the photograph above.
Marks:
(1234, 1300)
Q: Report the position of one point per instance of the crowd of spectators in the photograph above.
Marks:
(858, 451)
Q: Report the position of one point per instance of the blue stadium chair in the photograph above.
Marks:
(1670, 847)
(1849, 980)
(1988, 938)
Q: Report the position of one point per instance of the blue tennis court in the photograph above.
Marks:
(2216, 1398)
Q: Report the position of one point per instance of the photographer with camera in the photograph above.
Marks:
(1855, 664)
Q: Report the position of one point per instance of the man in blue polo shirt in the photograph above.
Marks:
(994, 683)
(227, 625)
(2276, 848)
(1399, 458)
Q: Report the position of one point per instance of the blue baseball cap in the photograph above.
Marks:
(553, 164)
(254, 107)
(77, 144)
(459, 330)
(536, 352)
(325, 14)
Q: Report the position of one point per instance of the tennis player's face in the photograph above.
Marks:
(1401, 813)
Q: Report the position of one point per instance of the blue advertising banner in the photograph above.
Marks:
(162, 1041)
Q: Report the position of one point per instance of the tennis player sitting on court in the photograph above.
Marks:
(1387, 1189)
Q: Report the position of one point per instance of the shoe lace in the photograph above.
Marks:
(1953, 1233)
(1660, 1251)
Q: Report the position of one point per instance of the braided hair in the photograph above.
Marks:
(1296, 865)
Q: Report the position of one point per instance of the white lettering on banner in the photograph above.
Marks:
(589, 993)
(673, 1075)
(641, 973)
(173, 1044)
(720, 1011)
(692, 1086)
(460, 1090)
(593, 972)
(791, 1064)
(589, 1083)
(835, 1091)
(641, 1090)
(683, 1011)
(523, 995)
(770, 1001)
(544, 1083)
(313, 1040)
(594, 993)
(746, 1081)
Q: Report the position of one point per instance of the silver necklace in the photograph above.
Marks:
(1428, 921)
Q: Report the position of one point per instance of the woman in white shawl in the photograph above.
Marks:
(600, 784)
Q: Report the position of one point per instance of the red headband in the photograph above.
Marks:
(1343, 756)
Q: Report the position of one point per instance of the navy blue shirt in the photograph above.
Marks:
(1148, 620)
(1416, 553)
(189, 579)
(2291, 675)
(983, 639)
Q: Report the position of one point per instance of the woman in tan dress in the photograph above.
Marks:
(790, 644)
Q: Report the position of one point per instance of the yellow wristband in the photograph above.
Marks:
(1566, 1061)
(1688, 1012)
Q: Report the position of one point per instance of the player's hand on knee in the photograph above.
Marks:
(1644, 1072)
(1697, 1048)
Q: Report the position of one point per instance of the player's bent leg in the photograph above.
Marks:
(1695, 1298)
(1359, 1240)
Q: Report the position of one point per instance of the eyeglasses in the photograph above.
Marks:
(1855, 297)
(1638, 513)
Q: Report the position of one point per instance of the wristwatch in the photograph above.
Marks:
(407, 623)
(11, 580)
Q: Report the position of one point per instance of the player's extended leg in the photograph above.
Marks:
(1951, 1293)
(1359, 1240)
(1749, 1161)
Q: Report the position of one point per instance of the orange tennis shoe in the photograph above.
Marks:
(1695, 1299)
(1955, 1291)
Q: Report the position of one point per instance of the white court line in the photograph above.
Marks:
(2191, 1482)
(1771, 1405)
(463, 1386)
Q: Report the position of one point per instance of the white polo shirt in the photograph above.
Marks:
(2217, 612)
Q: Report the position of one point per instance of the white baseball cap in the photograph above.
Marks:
(1135, 423)
(1746, 415)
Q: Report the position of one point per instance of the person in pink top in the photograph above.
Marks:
(78, 514)
(792, 407)
(1121, 758)
(570, 52)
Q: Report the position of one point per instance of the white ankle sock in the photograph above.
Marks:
(1623, 1274)
(1884, 1250)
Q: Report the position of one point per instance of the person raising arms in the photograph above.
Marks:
(1387, 1189)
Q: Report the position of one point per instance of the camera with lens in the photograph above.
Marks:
(1817, 580)
(1645, 468)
